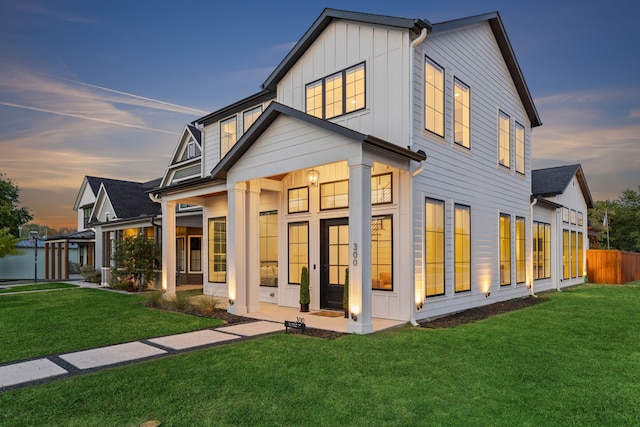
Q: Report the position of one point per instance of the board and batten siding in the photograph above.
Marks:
(385, 52)
(472, 176)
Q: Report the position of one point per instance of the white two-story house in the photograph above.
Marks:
(395, 148)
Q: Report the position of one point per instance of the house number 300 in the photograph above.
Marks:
(355, 254)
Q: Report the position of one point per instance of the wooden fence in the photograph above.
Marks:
(612, 266)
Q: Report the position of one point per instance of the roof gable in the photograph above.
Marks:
(554, 181)
(128, 199)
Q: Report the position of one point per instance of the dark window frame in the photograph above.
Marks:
(343, 74)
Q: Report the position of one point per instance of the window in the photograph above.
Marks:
(462, 248)
(566, 255)
(269, 248)
(195, 254)
(565, 215)
(541, 250)
(505, 249)
(218, 250)
(382, 253)
(381, 189)
(519, 148)
(337, 94)
(298, 199)
(574, 254)
(298, 250)
(521, 251)
(434, 247)
(461, 114)
(580, 219)
(580, 254)
(334, 195)
(504, 143)
(573, 216)
(191, 150)
(433, 97)
(249, 117)
(180, 254)
(86, 214)
(228, 135)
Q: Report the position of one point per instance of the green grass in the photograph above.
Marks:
(571, 361)
(44, 323)
(37, 287)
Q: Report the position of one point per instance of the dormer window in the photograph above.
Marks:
(191, 150)
(228, 135)
(338, 94)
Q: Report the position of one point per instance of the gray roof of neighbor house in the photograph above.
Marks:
(130, 199)
(74, 236)
(554, 181)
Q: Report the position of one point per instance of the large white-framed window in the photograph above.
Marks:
(433, 97)
(504, 140)
(580, 254)
(382, 253)
(250, 116)
(337, 94)
(461, 114)
(228, 135)
(505, 249)
(434, 248)
(566, 255)
(269, 248)
(574, 254)
(541, 250)
(218, 250)
(195, 254)
(298, 241)
(521, 250)
(520, 148)
(462, 248)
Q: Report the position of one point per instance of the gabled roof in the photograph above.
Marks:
(554, 181)
(130, 199)
(325, 18)
(499, 32)
(84, 235)
(197, 135)
(243, 104)
(276, 109)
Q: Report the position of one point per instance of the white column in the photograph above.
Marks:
(169, 247)
(252, 258)
(236, 242)
(360, 246)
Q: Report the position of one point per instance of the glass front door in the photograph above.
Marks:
(334, 242)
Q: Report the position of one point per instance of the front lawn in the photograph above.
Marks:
(36, 287)
(571, 360)
(44, 323)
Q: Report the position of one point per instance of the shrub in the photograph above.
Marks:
(155, 299)
(304, 287)
(90, 274)
(136, 258)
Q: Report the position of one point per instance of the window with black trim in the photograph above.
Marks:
(382, 253)
(434, 247)
(381, 189)
(519, 148)
(218, 250)
(298, 241)
(338, 94)
(195, 254)
(504, 140)
(228, 135)
(433, 97)
(462, 248)
(334, 195)
(505, 249)
(298, 200)
(461, 114)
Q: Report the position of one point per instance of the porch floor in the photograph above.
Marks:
(276, 313)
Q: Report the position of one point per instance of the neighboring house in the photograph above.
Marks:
(23, 266)
(561, 198)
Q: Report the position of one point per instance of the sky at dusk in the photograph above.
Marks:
(106, 88)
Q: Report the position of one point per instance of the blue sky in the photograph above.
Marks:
(105, 88)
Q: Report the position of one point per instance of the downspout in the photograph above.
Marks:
(414, 44)
(533, 203)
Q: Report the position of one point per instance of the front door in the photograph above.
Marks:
(334, 259)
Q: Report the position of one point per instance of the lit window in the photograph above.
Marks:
(228, 135)
(269, 248)
(504, 143)
(461, 114)
(249, 117)
(195, 254)
(580, 218)
(337, 94)
(334, 195)
(180, 254)
(565, 215)
(580, 254)
(298, 199)
(218, 250)
(434, 247)
(505, 249)
(462, 248)
(519, 148)
(382, 253)
(381, 189)
(573, 216)
(541, 250)
(574, 254)
(298, 250)
(566, 254)
(433, 97)
(521, 251)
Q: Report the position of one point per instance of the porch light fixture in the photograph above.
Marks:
(486, 294)
(312, 177)
(231, 301)
(419, 306)
(354, 317)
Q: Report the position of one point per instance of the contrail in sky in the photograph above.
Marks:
(79, 116)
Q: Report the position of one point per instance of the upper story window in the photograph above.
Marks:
(461, 114)
(298, 200)
(580, 218)
(334, 195)
(519, 148)
(228, 135)
(191, 150)
(565, 215)
(504, 142)
(433, 97)
(337, 94)
(249, 117)
(86, 215)
(381, 189)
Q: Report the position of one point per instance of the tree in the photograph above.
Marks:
(623, 218)
(12, 217)
(135, 258)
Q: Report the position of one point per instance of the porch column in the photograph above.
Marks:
(46, 261)
(360, 246)
(236, 248)
(59, 261)
(169, 247)
(253, 246)
(52, 259)
(66, 260)
(90, 254)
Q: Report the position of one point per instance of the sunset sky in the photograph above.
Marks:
(105, 88)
